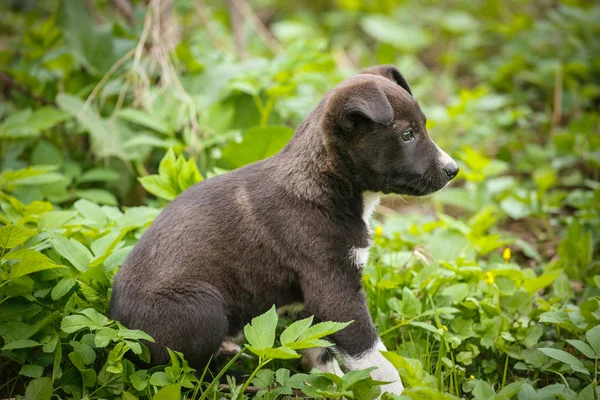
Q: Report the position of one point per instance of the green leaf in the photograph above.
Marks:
(62, 287)
(143, 118)
(79, 255)
(159, 186)
(91, 319)
(322, 329)
(388, 30)
(21, 344)
(542, 281)
(583, 347)
(30, 266)
(293, 332)
(99, 175)
(351, 378)
(32, 370)
(39, 389)
(170, 392)
(566, 358)
(593, 338)
(258, 143)
(91, 211)
(281, 353)
(425, 326)
(260, 333)
(99, 196)
(263, 379)
(411, 306)
(14, 235)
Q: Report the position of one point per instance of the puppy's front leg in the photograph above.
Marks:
(358, 344)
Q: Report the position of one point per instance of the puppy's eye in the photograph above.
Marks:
(407, 135)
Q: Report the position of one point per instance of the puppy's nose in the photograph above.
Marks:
(451, 170)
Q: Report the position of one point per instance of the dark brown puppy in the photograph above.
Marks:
(289, 229)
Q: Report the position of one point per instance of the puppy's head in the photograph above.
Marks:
(375, 123)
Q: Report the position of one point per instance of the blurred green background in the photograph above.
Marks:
(93, 93)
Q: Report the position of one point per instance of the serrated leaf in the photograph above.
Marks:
(32, 370)
(91, 319)
(293, 332)
(260, 333)
(281, 353)
(104, 337)
(322, 329)
(425, 326)
(263, 379)
(566, 358)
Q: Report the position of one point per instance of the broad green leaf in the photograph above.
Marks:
(566, 358)
(14, 235)
(159, 186)
(90, 319)
(99, 175)
(79, 255)
(27, 255)
(32, 370)
(542, 281)
(593, 338)
(260, 333)
(583, 347)
(21, 344)
(170, 392)
(411, 306)
(351, 378)
(142, 118)
(39, 389)
(30, 266)
(134, 334)
(62, 287)
(91, 211)
(99, 196)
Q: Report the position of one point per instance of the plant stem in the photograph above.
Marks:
(505, 372)
(258, 368)
(220, 374)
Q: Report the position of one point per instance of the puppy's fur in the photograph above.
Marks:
(289, 229)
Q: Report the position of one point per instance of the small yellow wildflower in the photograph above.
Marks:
(506, 254)
(489, 278)
(378, 231)
(444, 328)
(472, 378)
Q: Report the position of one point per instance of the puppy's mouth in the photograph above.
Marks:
(421, 187)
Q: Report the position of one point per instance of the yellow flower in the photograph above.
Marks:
(378, 231)
(444, 328)
(506, 254)
(472, 378)
(489, 278)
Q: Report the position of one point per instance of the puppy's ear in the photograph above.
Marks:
(390, 72)
(363, 101)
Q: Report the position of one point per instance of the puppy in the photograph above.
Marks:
(293, 228)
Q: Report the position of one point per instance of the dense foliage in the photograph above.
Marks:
(489, 289)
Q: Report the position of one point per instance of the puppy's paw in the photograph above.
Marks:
(228, 348)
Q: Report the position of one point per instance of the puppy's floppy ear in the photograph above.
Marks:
(365, 100)
(390, 72)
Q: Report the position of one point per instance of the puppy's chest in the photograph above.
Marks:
(359, 254)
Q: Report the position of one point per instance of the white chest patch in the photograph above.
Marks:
(360, 255)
